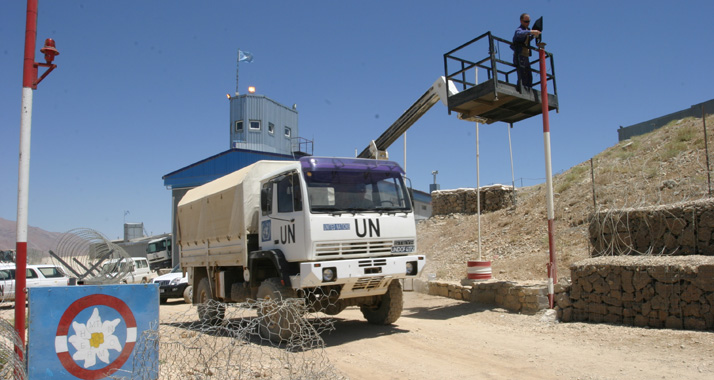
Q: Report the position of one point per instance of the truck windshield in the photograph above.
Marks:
(353, 191)
(156, 247)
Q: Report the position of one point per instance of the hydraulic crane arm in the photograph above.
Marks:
(439, 90)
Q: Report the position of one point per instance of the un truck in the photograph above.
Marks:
(158, 252)
(327, 232)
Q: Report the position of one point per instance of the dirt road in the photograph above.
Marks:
(440, 338)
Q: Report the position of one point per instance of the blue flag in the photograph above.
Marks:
(245, 56)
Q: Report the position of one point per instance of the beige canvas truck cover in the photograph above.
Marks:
(225, 209)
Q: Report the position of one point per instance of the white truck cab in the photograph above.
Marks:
(353, 228)
(158, 252)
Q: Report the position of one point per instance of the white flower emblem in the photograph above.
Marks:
(94, 340)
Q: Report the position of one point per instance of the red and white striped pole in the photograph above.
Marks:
(29, 83)
(552, 267)
(29, 74)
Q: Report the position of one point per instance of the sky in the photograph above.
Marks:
(140, 90)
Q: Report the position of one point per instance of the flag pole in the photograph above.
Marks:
(237, 69)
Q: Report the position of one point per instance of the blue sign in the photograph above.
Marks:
(336, 227)
(265, 231)
(94, 330)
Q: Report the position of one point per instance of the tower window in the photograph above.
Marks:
(239, 125)
(271, 128)
(255, 125)
(287, 131)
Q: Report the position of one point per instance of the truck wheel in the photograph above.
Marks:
(388, 309)
(334, 308)
(188, 294)
(278, 320)
(210, 311)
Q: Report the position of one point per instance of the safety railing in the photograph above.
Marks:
(469, 57)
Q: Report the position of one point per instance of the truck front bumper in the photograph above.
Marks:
(358, 277)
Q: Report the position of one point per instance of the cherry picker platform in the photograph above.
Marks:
(497, 98)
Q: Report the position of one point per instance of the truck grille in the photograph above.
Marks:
(368, 283)
(162, 283)
(353, 248)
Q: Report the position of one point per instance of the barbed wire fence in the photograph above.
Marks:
(11, 364)
(238, 347)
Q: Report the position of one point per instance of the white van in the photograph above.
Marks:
(137, 272)
(36, 275)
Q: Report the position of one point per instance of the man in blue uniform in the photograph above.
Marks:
(522, 53)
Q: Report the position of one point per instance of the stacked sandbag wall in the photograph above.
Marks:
(465, 201)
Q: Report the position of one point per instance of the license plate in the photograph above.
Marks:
(161, 290)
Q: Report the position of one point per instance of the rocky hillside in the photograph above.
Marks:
(665, 166)
(37, 238)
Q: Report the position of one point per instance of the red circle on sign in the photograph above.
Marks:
(63, 328)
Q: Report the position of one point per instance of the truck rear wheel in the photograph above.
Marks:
(388, 309)
(278, 320)
(210, 311)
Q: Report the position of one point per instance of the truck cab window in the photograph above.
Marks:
(297, 194)
(266, 198)
(285, 194)
(289, 194)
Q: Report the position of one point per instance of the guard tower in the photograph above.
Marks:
(261, 124)
(496, 98)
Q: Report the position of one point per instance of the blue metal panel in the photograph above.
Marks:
(91, 332)
(217, 166)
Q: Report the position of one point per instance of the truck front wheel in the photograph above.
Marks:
(278, 318)
(388, 309)
(209, 311)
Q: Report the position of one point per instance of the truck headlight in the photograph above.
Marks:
(175, 281)
(329, 274)
(412, 268)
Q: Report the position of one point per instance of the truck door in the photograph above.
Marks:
(285, 216)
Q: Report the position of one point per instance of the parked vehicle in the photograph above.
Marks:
(134, 270)
(174, 285)
(334, 232)
(158, 252)
(36, 275)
